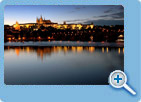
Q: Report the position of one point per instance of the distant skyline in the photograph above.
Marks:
(85, 14)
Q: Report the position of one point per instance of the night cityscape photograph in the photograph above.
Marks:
(62, 44)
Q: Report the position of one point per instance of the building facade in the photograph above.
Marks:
(48, 23)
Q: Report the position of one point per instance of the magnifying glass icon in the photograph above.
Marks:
(118, 79)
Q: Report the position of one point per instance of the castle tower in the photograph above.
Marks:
(16, 26)
(92, 25)
(41, 20)
(17, 23)
(37, 20)
(65, 22)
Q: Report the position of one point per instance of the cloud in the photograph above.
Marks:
(119, 15)
(114, 13)
(107, 19)
(108, 11)
(114, 8)
(77, 8)
(103, 16)
(76, 21)
(99, 21)
(112, 16)
(105, 22)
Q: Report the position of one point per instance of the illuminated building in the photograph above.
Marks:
(47, 23)
(120, 38)
(16, 26)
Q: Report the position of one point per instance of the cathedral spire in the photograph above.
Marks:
(41, 17)
(37, 20)
(41, 20)
(17, 22)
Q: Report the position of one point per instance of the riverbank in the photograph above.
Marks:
(65, 43)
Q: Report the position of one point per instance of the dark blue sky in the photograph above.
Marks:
(98, 14)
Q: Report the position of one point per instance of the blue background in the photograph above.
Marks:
(78, 93)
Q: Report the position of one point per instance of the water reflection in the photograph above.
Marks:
(107, 49)
(43, 51)
(61, 65)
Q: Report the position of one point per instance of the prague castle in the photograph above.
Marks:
(47, 23)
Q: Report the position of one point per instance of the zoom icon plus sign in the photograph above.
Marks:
(118, 79)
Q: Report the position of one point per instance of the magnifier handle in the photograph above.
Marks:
(129, 89)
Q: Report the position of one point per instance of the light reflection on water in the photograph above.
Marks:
(61, 65)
